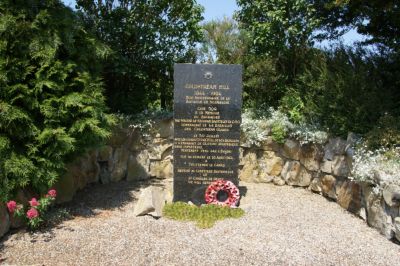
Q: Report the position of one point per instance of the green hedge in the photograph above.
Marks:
(51, 99)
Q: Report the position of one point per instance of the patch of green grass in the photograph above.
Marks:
(204, 216)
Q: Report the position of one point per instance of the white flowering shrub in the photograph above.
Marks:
(367, 165)
(276, 117)
(280, 125)
(256, 125)
(255, 130)
(145, 120)
(307, 133)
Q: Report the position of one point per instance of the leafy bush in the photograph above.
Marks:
(51, 102)
(204, 216)
(293, 105)
(147, 38)
(385, 134)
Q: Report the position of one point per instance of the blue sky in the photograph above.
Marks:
(217, 9)
(214, 9)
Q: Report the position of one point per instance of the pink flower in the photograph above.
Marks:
(32, 213)
(52, 193)
(11, 205)
(33, 202)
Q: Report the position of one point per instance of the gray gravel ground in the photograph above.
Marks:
(282, 226)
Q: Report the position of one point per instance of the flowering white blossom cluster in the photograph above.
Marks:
(378, 167)
(277, 118)
(145, 120)
(306, 133)
(255, 130)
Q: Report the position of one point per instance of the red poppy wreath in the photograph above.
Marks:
(222, 192)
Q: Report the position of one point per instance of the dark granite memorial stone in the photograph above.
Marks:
(207, 117)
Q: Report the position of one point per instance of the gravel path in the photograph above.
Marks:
(282, 226)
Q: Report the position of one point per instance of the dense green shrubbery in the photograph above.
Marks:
(340, 88)
(51, 102)
(147, 38)
(385, 134)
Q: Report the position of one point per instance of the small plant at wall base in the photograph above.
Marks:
(204, 216)
(35, 212)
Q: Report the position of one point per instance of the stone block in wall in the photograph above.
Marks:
(256, 167)
(241, 156)
(80, 172)
(316, 185)
(250, 169)
(328, 184)
(296, 175)
(134, 140)
(4, 220)
(377, 216)
(379, 219)
(243, 141)
(91, 167)
(341, 166)
(391, 195)
(335, 146)
(106, 163)
(278, 181)
(161, 150)
(304, 179)
(352, 138)
(291, 149)
(270, 145)
(65, 187)
(161, 169)
(273, 163)
(349, 196)
(138, 166)
(120, 159)
(311, 156)
(363, 213)
(105, 154)
(105, 174)
(76, 173)
(119, 137)
(165, 128)
(397, 228)
(291, 170)
(326, 167)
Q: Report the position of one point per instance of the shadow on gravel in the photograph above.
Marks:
(2, 259)
(88, 202)
(99, 197)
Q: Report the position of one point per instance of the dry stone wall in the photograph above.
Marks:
(324, 169)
